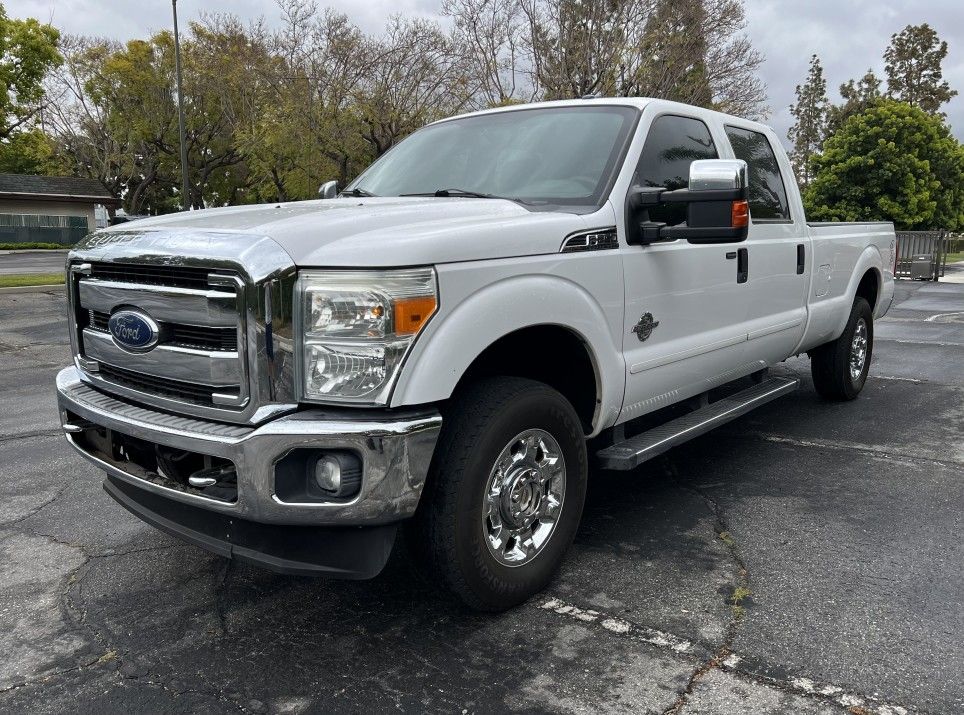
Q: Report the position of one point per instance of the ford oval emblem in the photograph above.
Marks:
(133, 330)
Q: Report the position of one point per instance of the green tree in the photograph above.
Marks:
(28, 51)
(894, 162)
(124, 119)
(913, 67)
(809, 130)
(858, 96)
(29, 152)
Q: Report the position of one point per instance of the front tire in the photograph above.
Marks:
(839, 368)
(505, 492)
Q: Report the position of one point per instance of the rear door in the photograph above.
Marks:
(778, 250)
(686, 307)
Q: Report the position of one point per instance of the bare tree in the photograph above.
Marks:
(77, 116)
(491, 35)
(695, 51)
(578, 48)
(414, 74)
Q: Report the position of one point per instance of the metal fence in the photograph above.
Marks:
(921, 255)
(27, 228)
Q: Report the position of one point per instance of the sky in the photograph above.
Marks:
(848, 35)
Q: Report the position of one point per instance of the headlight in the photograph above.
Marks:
(358, 327)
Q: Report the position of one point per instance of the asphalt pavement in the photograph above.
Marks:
(15, 262)
(806, 558)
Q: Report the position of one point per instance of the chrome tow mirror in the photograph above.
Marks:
(716, 206)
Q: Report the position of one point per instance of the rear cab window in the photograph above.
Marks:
(768, 192)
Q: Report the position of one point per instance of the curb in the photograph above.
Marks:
(33, 289)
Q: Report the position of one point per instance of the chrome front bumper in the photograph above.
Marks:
(396, 450)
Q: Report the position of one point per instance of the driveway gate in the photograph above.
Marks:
(921, 254)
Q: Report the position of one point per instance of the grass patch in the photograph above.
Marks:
(736, 601)
(955, 257)
(31, 279)
(32, 245)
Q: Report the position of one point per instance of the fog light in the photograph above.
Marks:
(334, 474)
(328, 474)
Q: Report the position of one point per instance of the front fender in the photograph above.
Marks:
(457, 336)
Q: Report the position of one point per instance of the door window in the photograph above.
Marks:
(673, 143)
(768, 195)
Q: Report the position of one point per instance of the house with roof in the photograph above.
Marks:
(50, 209)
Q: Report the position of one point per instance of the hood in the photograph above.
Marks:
(373, 232)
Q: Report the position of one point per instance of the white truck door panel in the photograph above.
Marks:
(685, 326)
(693, 294)
(780, 251)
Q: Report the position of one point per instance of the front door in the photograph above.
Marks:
(686, 304)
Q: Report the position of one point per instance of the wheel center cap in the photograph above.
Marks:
(523, 498)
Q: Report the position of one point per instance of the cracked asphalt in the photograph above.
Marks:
(806, 558)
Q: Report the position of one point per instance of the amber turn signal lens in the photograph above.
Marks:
(740, 216)
(412, 313)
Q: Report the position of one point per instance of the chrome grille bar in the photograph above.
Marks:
(180, 306)
(213, 367)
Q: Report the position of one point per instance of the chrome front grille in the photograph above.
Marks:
(221, 304)
(199, 358)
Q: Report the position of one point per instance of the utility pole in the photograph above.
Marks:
(185, 194)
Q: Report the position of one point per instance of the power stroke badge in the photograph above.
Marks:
(645, 327)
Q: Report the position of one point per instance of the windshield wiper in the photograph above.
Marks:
(356, 192)
(445, 193)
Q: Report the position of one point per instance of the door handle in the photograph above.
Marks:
(742, 265)
(801, 259)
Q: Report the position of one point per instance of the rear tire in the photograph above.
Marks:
(505, 492)
(839, 368)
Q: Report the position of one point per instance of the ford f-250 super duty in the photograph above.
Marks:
(497, 302)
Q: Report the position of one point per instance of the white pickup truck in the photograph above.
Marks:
(446, 346)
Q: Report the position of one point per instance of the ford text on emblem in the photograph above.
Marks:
(133, 330)
(645, 327)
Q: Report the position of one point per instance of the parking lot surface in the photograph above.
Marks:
(15, 262)
(806, 558)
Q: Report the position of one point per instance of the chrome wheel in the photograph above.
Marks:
(523, 497)
(858, 350)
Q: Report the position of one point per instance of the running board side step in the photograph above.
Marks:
(632, 452)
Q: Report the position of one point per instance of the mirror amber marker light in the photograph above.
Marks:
(740, 215)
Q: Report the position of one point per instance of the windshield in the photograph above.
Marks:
(558, 156)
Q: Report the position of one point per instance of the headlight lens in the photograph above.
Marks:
(358, 326)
